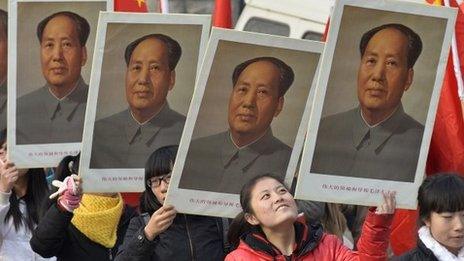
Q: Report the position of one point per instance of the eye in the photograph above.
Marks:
(265, 196)
(263, 92)
(67, 44)
(282, 190)
(136, 67)
(391, 63)
(241, 89)
(370, 61)
(48, 45)
(154, 67)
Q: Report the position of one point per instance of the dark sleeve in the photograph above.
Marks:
(47, 239)
(136, 246)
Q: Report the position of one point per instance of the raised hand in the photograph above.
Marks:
(388, 205)
(9, 174)
(160, 221)
(69, 192)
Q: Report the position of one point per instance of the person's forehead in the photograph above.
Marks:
(265, 69)
(63, 23)
(149, 46)
(387, 34)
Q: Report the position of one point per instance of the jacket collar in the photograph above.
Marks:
(307, 236)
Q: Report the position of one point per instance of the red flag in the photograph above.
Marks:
(446, 151)
(222, 14)
(139, 6)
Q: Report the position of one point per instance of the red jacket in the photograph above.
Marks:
(313, 244)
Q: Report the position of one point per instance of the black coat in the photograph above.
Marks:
(189, 237)
(55, 235)
(420, 253)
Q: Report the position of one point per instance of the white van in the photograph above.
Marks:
(303, 19)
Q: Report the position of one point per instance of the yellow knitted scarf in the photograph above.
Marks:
(97, 217)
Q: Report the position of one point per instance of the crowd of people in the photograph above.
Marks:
(99, 226)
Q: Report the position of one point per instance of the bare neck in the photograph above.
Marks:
(282, 237)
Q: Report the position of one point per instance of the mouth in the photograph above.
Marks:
(375, 91)
(246, 117)
(142, 94)
(58, 70)
(280, 207)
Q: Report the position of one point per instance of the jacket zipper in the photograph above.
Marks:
(189, 238)
(110, 254)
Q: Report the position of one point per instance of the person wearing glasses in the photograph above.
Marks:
(160, 233)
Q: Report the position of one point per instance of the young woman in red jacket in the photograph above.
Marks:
(269, 228)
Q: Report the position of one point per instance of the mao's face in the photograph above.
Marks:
(383, 74)
(61, 54)
(148, 77)
(255, 100)
(3, 54)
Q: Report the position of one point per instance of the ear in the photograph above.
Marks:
(173, 80)
(409, 79)
(250, 218)
(280, 106)
(427, 222)
(83, 56)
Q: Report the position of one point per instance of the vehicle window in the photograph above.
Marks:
(312, 36)
(261, 25)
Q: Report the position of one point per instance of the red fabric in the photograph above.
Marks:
(131, 199)
(222, 15)
(139, 6)
(372, 245)
(446, 151)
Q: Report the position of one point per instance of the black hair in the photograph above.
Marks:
(159, 163)
(239, 226)
(442, 192)
(414, 41)
(172, 46)
(4, 21)
(286, 72)
(36, 193)
(82, 26)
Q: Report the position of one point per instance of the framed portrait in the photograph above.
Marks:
(248, 117)
(145, 68)
(51, 46)
(375, 102)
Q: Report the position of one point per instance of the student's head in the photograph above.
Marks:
(62, 38)
(441, 209)
(36, 194)
(67, 166)
(151, 61)
(266, 202)
(257, 96)
(157, 177)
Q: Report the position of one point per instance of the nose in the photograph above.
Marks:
(378, 73)
(164, 186)
(143, 76)
(459, 223)
(249, 99)
(57, 53)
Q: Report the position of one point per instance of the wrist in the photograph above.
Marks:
(149, 234)
(5, 188)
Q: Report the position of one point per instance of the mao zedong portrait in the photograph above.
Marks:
(55, 112)
(127, 138)
(225, 161)
(377, 139)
